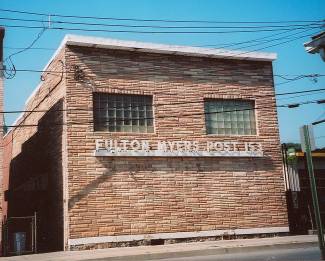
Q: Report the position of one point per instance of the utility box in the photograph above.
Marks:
(19, 242)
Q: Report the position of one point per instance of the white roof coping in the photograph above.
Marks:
(108, 43)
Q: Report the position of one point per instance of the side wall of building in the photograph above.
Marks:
(34, 164)
(168, 197)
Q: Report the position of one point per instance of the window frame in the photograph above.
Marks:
(252, 101)
(124, 132)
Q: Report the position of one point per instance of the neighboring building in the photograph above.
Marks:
(299, 199)
(137, 143)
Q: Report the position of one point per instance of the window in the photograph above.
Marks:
(230, 117)
(122, 113)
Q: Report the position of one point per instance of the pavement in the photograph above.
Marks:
(292, 254)
(178, 250)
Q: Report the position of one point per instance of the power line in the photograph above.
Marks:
(275, 75)
(19, 125)
(221, 47)
(269, 46)
(32, 48)
(35, 71)
(297, 96)
(159, 117)
(259, 39)
(290, 26)
(164, 116)
(306, 91)
(175, 32)
(225, 45)
(232, 56)
(298, 77)
(246, 52)
(160, 104)
(271, 40)
(156, 20)
(152, 32)
(9, 74)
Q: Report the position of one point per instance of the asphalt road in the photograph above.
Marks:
(298, 254)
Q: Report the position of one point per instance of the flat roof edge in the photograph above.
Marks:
(107, 43)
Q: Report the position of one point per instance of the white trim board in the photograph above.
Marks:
(109, 43)
(208, 233)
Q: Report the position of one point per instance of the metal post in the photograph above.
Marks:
(285, 166)
(314, 192)
(32, 232)
(35, 231)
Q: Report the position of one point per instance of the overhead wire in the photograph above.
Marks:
(259, 39)
(235, 55)
(302, 95)
(266, 42)
(72, 123)
(32, 48)
(290, 26)
(276, 75)
(155, 20)
(10, 73)
(166, 27)
(269, 46)
(165, 104)
(272, 40)
(164, 116)
(151, 32)
(219, 47)
(192, 32)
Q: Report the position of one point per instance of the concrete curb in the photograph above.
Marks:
(205, 252)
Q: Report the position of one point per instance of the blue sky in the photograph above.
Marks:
(292, 57)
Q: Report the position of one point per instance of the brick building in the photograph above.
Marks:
(135, 142)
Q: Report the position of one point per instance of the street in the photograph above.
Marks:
(302, 247)
(310, 253)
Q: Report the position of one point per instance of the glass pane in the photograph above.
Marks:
(238, 117)
(117, 112)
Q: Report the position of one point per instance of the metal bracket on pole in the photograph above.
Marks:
(49, 21)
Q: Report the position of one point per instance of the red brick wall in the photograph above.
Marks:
(124, 196)
(33, 164)
(7, 152)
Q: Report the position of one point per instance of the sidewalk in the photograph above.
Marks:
(174, 250)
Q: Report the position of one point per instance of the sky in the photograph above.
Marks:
(292, 58)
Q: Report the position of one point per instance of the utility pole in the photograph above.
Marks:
(307, 144)
(2, 34)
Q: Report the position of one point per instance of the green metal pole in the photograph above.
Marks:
(314, 192)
